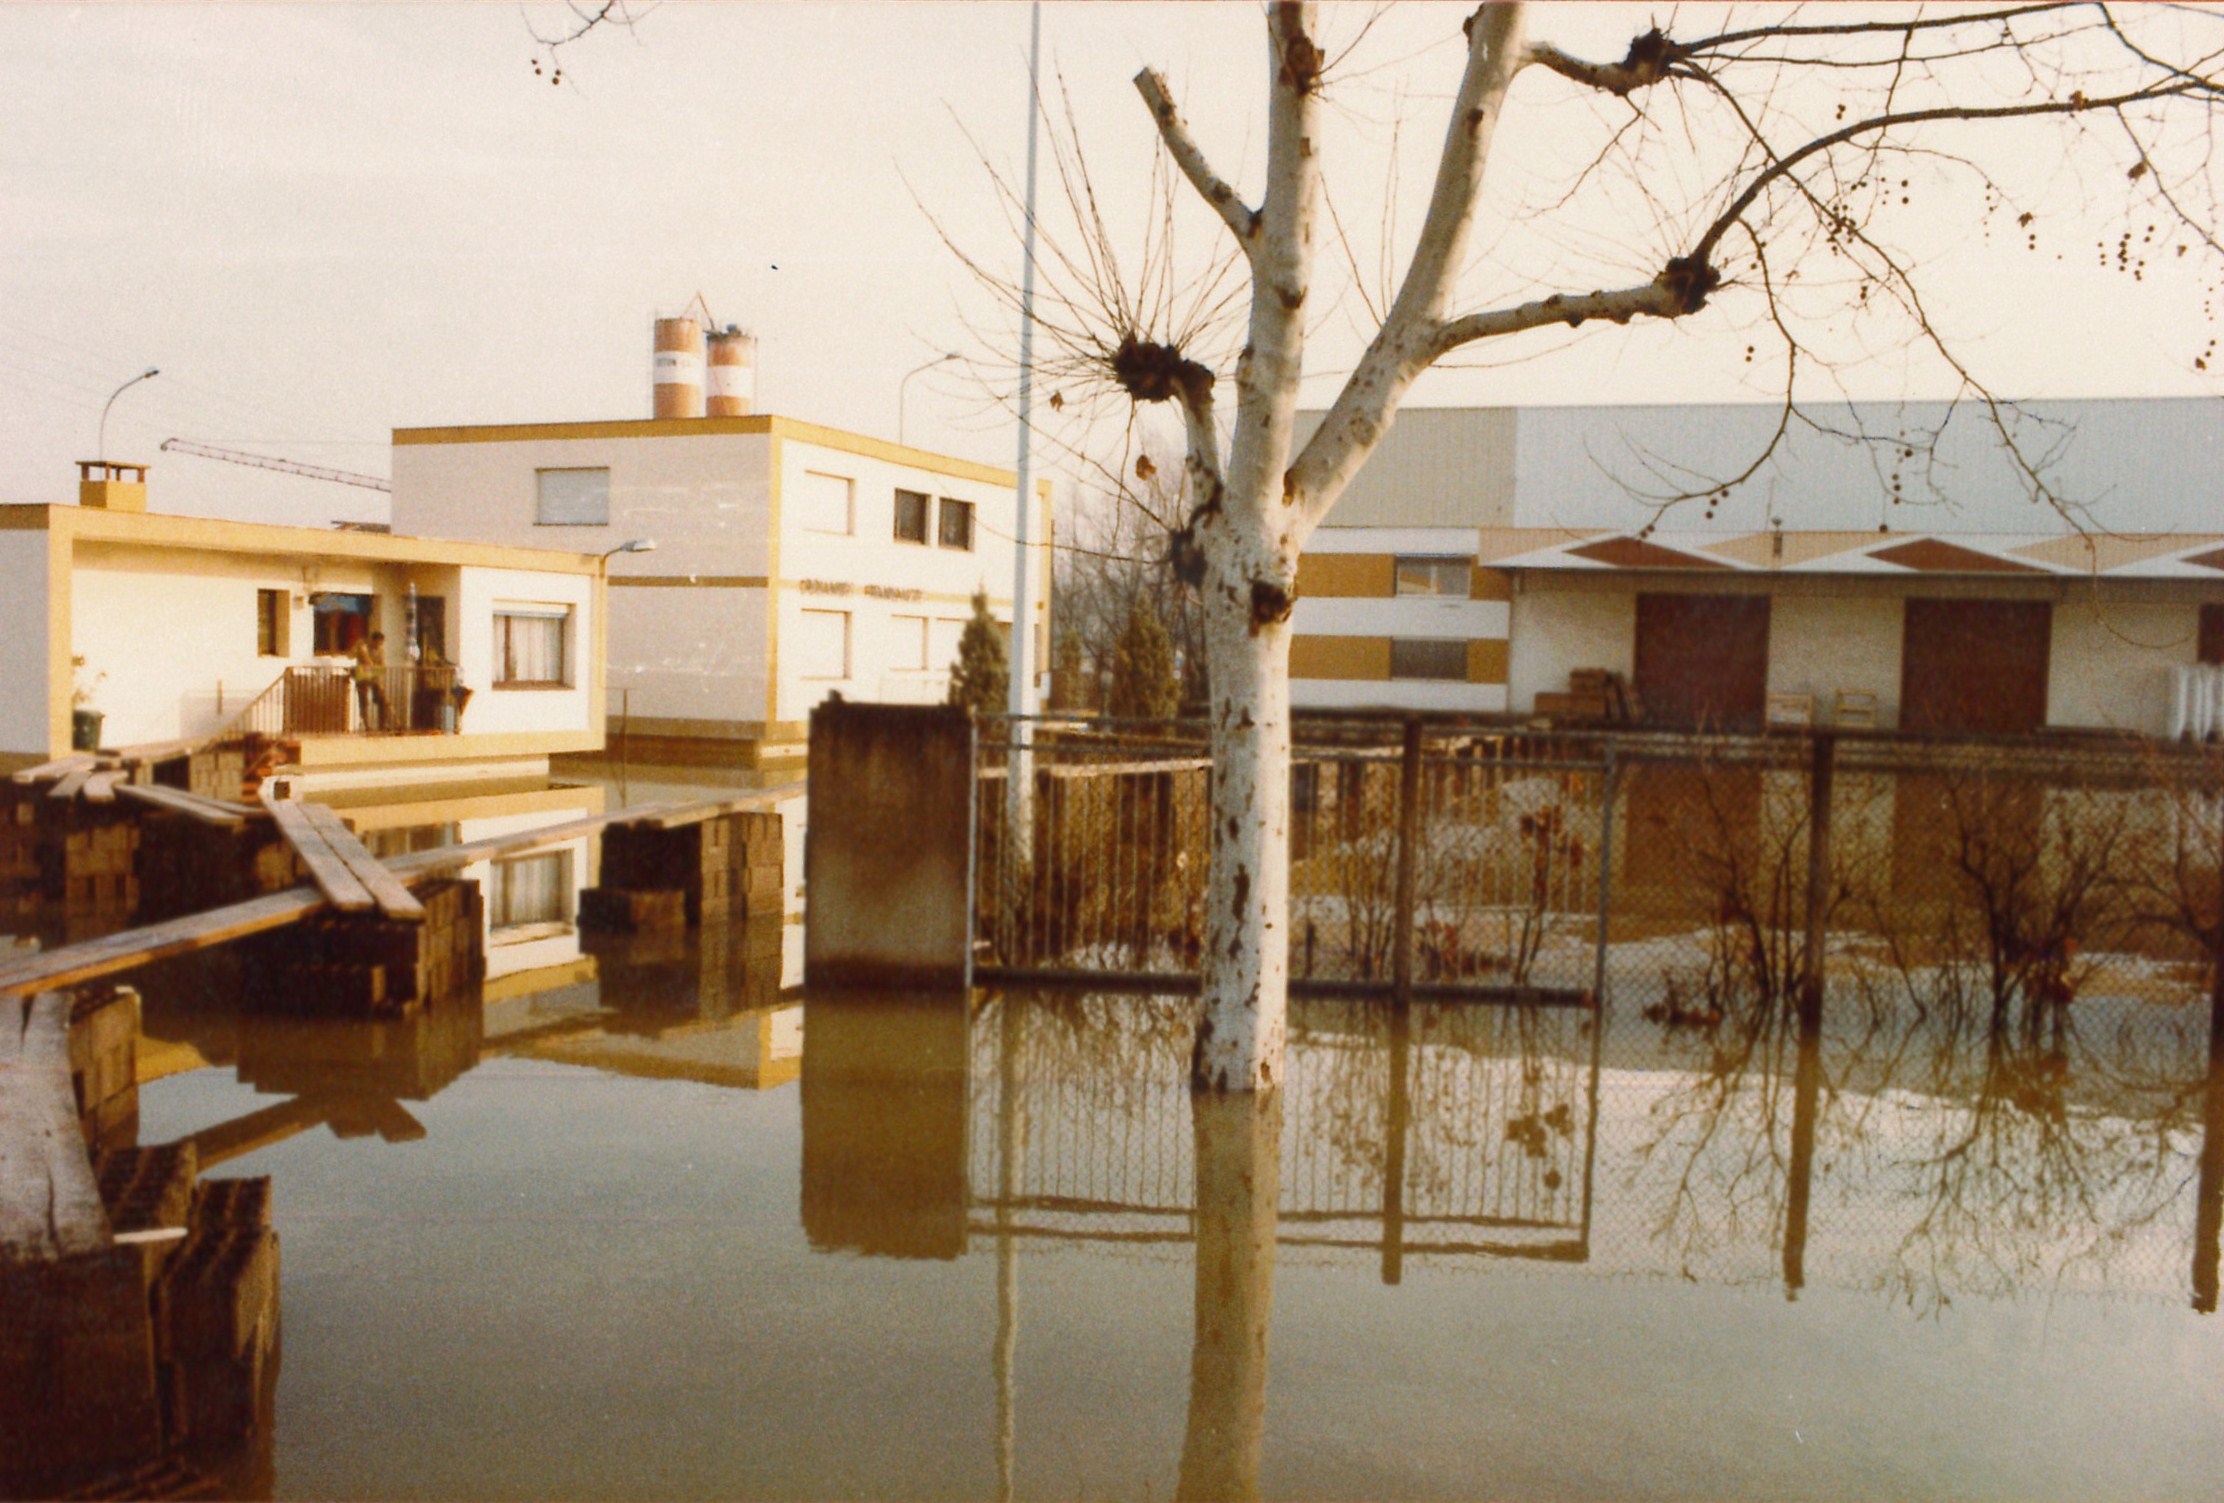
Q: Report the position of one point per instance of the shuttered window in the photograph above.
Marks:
(572, 498)
(822, 644)
(1421, 658)
(529, 894)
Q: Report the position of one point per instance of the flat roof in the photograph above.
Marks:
(756, 424)
(220, 535)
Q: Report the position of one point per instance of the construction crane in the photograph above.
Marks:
(282, 466)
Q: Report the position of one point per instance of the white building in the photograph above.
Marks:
(791, 561)
(186, 629)
(1485, 556)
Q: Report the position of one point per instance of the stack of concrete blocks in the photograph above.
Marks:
(365, 966)
(74, 859)
(720, 869)
(20, 882)
(186, 866)
(213, 771)
(104, 1064)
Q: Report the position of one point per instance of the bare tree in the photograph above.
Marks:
(1756, 164)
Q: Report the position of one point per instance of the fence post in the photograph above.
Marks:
(2208, 1208)
(1818, 873)
(1409, 833)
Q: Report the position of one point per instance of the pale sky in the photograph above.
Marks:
(323, 222)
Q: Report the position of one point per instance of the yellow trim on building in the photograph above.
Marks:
(387, 751)
(1489, 584)
(75, 524)
(719, 427)
(690, 582)
(1347, 575)
(772, 564)
(1486, 660)
(1350, 658)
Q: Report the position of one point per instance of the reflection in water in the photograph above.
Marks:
(1446, 1149)
(1239, 1164)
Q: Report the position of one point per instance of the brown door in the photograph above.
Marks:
(1975, 665)
(1702, 660)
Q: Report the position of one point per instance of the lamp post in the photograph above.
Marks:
(625, 695)
(147, 374)
(906, 381)
(630, 545)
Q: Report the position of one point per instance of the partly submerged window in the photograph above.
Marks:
(911, 517)
(529, 645)
(572, 498)
(1433, 576)
(529, 896)
(1418, 658)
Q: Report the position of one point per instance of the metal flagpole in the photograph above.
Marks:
(1020, 784)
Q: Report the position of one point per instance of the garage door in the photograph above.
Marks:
(1703, 659)
(1975, 665)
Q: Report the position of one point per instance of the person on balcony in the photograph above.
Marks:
(369, 674)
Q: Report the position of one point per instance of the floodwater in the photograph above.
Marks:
(661, 1230)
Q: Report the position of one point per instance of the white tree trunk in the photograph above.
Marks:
(1247, 938)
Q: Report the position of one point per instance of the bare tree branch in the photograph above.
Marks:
(1242, 220)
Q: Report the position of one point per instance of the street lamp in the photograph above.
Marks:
(906, 381)
(146, 374)
(630, 545)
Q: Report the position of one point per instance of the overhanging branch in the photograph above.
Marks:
(1241, 220)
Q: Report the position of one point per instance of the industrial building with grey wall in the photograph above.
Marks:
(1891, 560)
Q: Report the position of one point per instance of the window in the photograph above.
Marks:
(907, 639)
(826, 502)
(428, 624)
(1433, 576)
(529, 897)
(529, 643)
(911, 517)
(339, 622)
(573, 498)
(942, 642)
(1411, 658)
(956, 530)
(272, 617)
(822, 644)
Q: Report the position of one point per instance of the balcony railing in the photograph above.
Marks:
(323, 700)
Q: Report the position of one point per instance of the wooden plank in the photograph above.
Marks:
(67, 786)
(695, 814)
(46, 771)
(342, 888)
(100, 788)
(161, 751)
(207, 811)
(49, 1199)
(393, 899)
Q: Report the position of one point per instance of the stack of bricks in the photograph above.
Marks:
(186, 866)
(365, 966)
(92, 871)
(104, 1063)
(727, 867)
(217, 772)
(20, 872)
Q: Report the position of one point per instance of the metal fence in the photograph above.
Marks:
(1446, 863)
(320, 699)
(1702, 879)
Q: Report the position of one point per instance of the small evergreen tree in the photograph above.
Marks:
(1143, 684)
(981, 678)
(1067, 691)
